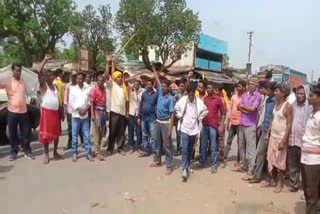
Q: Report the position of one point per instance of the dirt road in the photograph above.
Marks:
(126, 185)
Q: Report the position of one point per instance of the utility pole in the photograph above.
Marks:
(312, 76)
(248, 66)
(250, 45)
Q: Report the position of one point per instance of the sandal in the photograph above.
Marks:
(254, 181)
(155, 164)
(278, 189)
(267, 184)
(100, 158)
(57, 156)
(46, 159)
(289, 189)
(169, 172)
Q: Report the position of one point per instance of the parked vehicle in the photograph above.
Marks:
(32, 87)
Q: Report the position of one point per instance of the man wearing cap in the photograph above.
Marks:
(247, 131)
(119, 110)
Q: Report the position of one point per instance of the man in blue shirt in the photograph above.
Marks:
(165, 117)
(147, 118)
(263, 145)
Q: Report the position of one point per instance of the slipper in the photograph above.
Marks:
(45, 160)
(254, 181)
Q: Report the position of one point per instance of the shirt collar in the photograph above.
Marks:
(193, 102)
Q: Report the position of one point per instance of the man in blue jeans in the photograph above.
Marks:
(211, 127)
(79, 103)
(165, 117)
(133, 126)
(190, 111)
(182, 92)
(147, 119)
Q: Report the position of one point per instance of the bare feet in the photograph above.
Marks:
(57, 156)
(46, 159)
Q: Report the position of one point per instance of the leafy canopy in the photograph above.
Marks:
(35, 26)
(166, 25)
(92, 29)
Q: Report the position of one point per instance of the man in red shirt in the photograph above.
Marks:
(98, 115)
(211, 127)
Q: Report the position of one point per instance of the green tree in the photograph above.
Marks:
(70, 53)
(36, 25)
(92, 30)
(166, 25)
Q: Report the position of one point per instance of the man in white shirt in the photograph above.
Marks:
(190, 111)
(133, 126)
(310, 154)
(79, 103)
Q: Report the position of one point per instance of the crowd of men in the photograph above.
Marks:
(278, 131)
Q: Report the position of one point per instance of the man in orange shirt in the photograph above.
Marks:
(17, 112)
(234, 117)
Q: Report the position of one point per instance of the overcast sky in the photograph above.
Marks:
(286, 32)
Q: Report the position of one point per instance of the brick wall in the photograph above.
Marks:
(296, 80)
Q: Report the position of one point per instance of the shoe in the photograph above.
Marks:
(89, 158)
(184, 175)
(12, 157)
(213, 170)
(29, 156)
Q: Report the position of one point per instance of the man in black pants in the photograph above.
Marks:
(17, 112)
(119, 111)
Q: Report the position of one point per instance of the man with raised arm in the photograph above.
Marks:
(50, 125)
(165, 117)
(17, 112)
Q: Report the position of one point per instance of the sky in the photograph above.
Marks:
(286, 32)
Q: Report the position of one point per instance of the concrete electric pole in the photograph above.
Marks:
(250, 46)
(248, 66)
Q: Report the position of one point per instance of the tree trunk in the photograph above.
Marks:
(145, 58)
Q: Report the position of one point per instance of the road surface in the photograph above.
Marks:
(126, 185)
